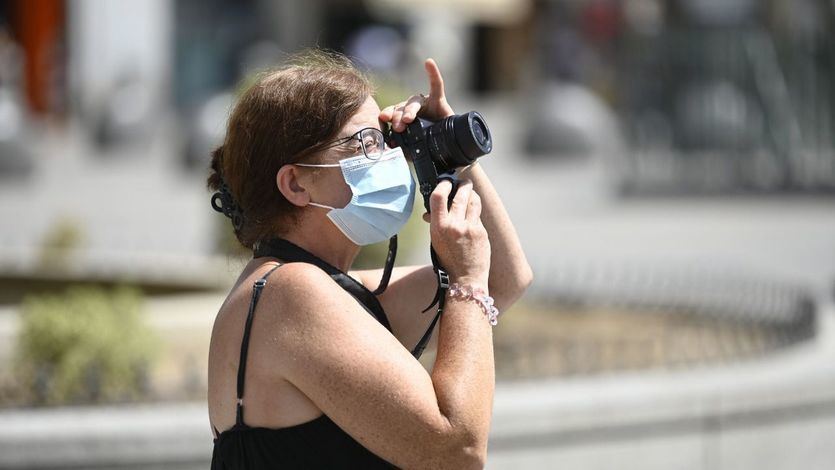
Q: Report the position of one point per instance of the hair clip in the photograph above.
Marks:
(223, 202)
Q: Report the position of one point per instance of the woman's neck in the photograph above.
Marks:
(325, 241)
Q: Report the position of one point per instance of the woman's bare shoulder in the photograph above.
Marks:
(298, 295)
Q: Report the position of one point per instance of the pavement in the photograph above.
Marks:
(775, 412)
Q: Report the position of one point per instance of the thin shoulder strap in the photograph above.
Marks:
(256, 293)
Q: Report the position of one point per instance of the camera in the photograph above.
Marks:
(437, 148)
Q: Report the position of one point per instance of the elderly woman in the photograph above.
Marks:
(300, 375)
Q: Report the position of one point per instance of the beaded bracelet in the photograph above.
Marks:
(466, 292)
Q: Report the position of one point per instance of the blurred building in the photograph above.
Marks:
(710, 97)
(108, 110)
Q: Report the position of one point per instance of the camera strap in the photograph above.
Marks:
(384, 281)
(440, 300)
(289, 252)
(440, 272)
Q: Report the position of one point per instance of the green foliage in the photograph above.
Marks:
(60, 242)
(85, 345)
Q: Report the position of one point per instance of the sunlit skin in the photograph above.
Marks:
(322, 353)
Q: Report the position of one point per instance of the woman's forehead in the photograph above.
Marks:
(367, 116)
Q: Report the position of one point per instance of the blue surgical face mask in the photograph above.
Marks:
(383, 193)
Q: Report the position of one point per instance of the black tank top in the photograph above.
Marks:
(318, 443)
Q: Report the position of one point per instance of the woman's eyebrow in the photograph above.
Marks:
(351, 136)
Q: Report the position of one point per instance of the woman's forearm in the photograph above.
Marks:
(464, 376)
(510, 273)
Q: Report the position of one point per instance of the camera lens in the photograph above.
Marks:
(458, 140)
(480, 132)
(472, 135)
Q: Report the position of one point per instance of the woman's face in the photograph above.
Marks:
(329, 185)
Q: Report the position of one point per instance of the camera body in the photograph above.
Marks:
(437, 148)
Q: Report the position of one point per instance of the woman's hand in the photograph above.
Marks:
(432, 107)
(458, 236)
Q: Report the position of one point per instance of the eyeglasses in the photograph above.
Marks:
(369, 142)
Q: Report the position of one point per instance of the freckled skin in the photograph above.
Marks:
(314, 349)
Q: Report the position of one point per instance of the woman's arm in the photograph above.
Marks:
(411, 288)
(510, 274)
(360, 376)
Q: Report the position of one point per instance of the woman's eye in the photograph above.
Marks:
(352, 148)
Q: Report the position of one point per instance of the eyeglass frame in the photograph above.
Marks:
(357, 135)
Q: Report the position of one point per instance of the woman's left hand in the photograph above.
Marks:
(432, 107)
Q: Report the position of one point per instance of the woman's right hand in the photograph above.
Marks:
(458, 236)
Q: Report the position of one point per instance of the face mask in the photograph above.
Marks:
(383, 193)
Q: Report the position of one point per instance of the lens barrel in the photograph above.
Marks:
(458, 140)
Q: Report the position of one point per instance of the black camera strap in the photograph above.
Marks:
(440, 272)
(384, 281)
(289, 252)
(440, 300)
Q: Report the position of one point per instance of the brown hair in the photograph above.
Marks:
(288, 114)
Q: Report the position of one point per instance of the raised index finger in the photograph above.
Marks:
(436, 81)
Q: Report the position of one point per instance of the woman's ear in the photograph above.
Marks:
(291, 182)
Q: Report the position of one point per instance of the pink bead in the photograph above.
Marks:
(477, 293)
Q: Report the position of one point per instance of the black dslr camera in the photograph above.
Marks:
(438, 148)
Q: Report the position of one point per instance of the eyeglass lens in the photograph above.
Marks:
(373, 143)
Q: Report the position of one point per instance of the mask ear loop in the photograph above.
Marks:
(316, 204)
(318, 165)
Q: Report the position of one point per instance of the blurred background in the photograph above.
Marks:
(669, 166)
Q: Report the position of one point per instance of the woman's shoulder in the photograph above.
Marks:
(296, 298)
(289, 275)
(294, 291)
(299, 282)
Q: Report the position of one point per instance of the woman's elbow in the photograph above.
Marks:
(508, 291)
(474, 458)
(525, 279)
(522, 281)
(468, 457)
(464, 449)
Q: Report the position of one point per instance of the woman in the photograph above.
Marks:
(322, 383)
